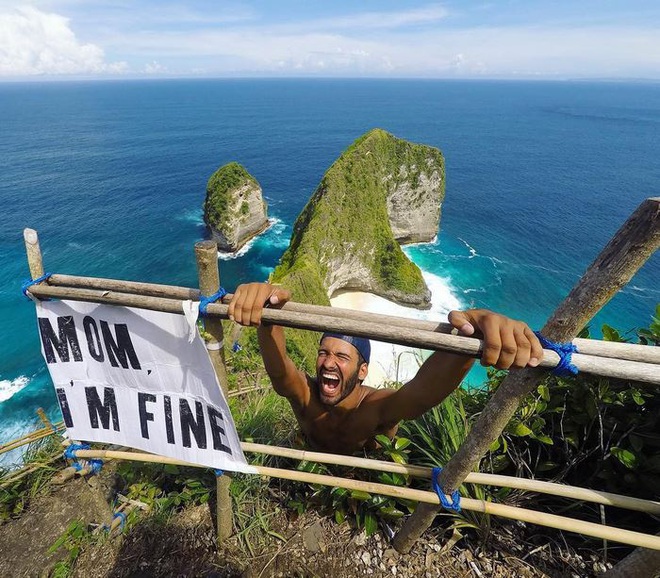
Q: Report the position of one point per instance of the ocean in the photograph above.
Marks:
(112, 175)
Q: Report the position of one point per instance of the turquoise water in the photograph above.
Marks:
(113, 174)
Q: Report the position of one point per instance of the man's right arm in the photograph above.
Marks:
(246, 309)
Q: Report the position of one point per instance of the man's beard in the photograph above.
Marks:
(349, 385)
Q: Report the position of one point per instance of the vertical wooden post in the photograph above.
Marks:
(206, 253)
(44, 418)
(627, 251)
(33, 250)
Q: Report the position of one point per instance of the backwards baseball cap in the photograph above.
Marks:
(360, 343)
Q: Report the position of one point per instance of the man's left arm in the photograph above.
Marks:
(507, 344)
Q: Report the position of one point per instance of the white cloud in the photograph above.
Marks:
(33, 42)
(475, 52)
(233, 39)
(155, 68)
(381, 20)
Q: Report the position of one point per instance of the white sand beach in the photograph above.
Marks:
(395, 362)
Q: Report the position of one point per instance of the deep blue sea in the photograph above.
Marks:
(113, 175)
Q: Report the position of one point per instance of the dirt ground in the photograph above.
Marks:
(304, 546)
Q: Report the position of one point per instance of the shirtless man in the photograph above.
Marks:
(334, 410)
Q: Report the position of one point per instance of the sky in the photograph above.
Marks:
(524, 39)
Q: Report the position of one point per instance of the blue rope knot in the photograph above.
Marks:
(455, 504)
(70, 451)
(122, 517)
(205, 300)
(565, 367)
(94, 465)
(25, 287)
(218, 473)
(236, 347)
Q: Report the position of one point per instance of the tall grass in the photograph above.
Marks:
(435, 437)
(16, 489)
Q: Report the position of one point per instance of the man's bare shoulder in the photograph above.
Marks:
(375, 395)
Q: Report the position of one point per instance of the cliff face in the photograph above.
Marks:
(414, 211)
(380, 192)
(234, 209)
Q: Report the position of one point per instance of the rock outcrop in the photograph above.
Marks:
(382, 191)
(234, 209)
(414, 206)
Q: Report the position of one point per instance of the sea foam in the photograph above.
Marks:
(246, 248)
(9, 388)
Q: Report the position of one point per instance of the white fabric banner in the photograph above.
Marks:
(133, 377)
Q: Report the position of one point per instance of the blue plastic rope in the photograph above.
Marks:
(29, 282)
(205, 300)
(122, 517)
(565, 350)
(219, 473)
(455, 504)
(236, 347)
(94, 465)
(69, 452)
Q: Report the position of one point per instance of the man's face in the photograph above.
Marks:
(337, 370)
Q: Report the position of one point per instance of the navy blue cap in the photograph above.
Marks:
(362, 344)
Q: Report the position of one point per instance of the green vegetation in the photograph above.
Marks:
(217, 206)
(73, 540)
(42, 461)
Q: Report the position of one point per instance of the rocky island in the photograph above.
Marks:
(234, 209)
(381, 192)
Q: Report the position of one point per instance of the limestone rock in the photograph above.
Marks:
(234, 209)
(414, 206)
(381, 192)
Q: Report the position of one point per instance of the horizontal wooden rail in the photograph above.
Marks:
(514, 513)
(561, 490)
(31, 437)
(16, 475)
(469, 346)
(626, 351)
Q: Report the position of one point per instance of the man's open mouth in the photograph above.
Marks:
(329, 384)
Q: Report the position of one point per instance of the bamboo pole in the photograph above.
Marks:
(69, 473)
(236, 393)
(511, 512)
(28, 439)
(627, 251)
(469, 346)
(35, 262)
(136, 503)
(206, 253)
(44, 419)
(17, 475)
(561, 490)
(626, 351)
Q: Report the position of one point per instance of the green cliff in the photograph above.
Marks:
(234, 209)
(382, 191)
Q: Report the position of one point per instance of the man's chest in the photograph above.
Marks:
(338, 433)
